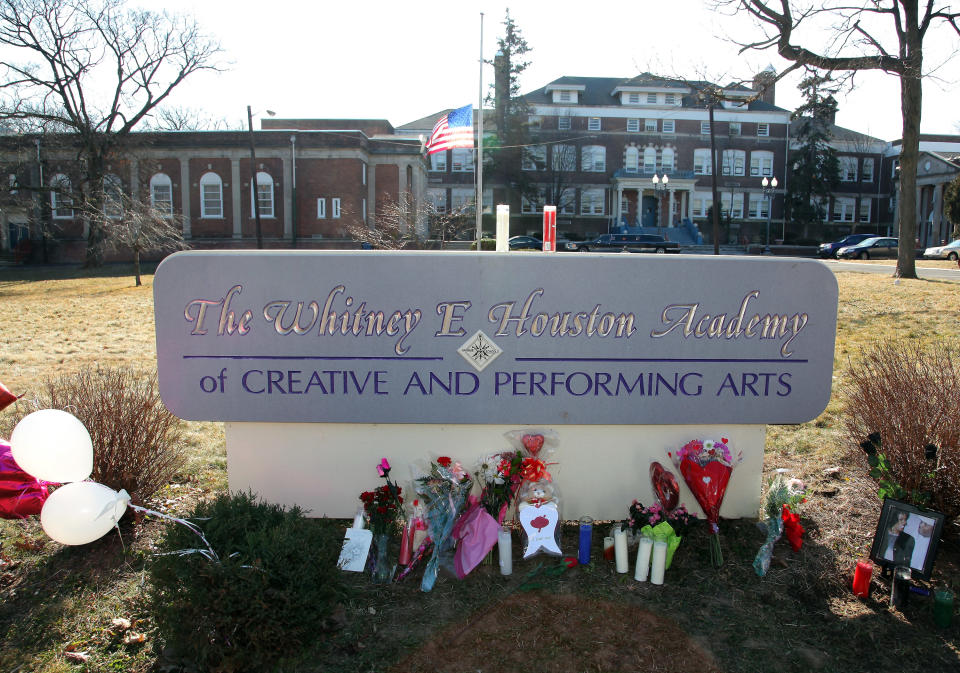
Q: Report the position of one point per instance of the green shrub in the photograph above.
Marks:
(485, 244)
(274, 585)
(906, 397)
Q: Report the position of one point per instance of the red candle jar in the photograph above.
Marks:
(861, 578)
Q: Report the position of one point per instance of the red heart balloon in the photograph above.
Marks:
(6, 397)
(708, 485)
(532, 443)
(665, 486)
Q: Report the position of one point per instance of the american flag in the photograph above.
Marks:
(454, 129)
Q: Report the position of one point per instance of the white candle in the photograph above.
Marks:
(620, 550)
(505, 549)
(659, 562)
(643, 559)
(358, 521)
(503, 228)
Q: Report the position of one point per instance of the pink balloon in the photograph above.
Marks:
(21, 494)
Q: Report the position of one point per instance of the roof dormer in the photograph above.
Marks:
(565, 93)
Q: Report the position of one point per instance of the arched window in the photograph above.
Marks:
(631, 161)
(667, 159)
(112, 196)
(61, 198)
(161, 194)
(264, 195)
(650, 160)
(211, 195)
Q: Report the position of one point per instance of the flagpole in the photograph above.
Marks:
(479, 200)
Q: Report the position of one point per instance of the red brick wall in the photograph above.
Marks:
(329, 179)
(388, 184)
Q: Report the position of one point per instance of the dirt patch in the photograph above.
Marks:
(542, 632)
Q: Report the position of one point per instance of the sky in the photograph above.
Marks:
(403, 61)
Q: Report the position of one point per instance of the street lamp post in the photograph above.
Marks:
(768, 189)
(659, 189)
(253, 179)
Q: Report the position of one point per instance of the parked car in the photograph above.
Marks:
(525, 243)
(630, 243)
(949, 251)
(871, 248)
(829, 250)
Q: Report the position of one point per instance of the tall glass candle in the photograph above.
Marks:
(620, 550)
(586, 538)
(406, 544)
(505, 550)
(608, 548)
(659, 564)
(900, 587)
(861, 578)
(943, 607)
(643, 559)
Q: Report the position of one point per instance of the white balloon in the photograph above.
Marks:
(82, 512)
(52, 445)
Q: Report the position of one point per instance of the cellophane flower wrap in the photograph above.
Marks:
(383, 506)
(538, 500)
(780, 503)
(443, 487)
(706, 466)
(660, 524)
(499, 476)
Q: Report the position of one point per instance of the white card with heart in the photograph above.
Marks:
(540, 525)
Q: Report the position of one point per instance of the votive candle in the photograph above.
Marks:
(608, 548)
(505, 550)
(659, 564)
(861, 578)
(643, 559)
(943, 607)
(620, 550)
(406, 544)
(586, 538)
(900, 586)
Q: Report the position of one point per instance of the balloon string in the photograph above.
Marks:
(208, 552)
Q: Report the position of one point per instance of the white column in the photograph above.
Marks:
(670, 210)
(619, 205)
(684, 204)
(235, 197)
(185, 197)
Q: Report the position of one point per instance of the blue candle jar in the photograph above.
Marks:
(586, 538)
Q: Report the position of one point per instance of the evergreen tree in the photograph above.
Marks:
(816, 169)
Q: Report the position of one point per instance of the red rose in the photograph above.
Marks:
(381, 509)
(444, 461)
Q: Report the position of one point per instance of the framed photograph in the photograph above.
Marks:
(907, 536)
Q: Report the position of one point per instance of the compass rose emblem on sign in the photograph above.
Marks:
(479, 350)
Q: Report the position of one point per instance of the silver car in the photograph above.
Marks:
(949, 251)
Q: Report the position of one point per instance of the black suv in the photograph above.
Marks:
(630, 243)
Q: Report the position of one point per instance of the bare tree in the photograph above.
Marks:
(135, 226)
(94, 69)
(408, 223)
(852, 41)
(179, 118)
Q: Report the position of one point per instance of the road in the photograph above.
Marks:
(888, 269)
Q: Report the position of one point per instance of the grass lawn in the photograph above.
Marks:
(57, 604)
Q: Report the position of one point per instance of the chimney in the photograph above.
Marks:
(765, 83)
(832, 117)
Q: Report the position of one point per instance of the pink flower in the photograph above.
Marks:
(383, 469)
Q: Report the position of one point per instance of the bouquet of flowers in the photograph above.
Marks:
(443, 486)
(384, 505)
(658, 523)
(538, 508)
(706, 467)
(779, 511)
(499, 476)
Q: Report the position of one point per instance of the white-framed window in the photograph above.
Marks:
(759, 207)
(631, 159)
(700, 203)
(848, 169)
(894, 165)
(666, 159)
(534, 122)
(593, 124)
(112, 196)
(867, 175)
(761, 163)
(488, 201)
(61, 200)
(633, 125)
(563, 157)
(532, 203)
(651, 99)
(564, 96)
(763, 130)
(567, 202)
(563, 123)
(534, 158)
(211, 195)
(650, 125)
(438, 162)
(437, 198)
(463, 199)
(704, 128)
(461, 160)
(733, 162)
(591, 202)
(737, 212)
(843, 209)
(321, 208)
(264, 195)
(633, 98)
(701, 162)
(593, 158)
(669, 126)
(734, 128)
(161, 194)
(865, 209)
(670, 99)
(650, 160)
(335, 207)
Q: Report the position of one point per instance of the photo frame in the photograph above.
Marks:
(907, 535)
